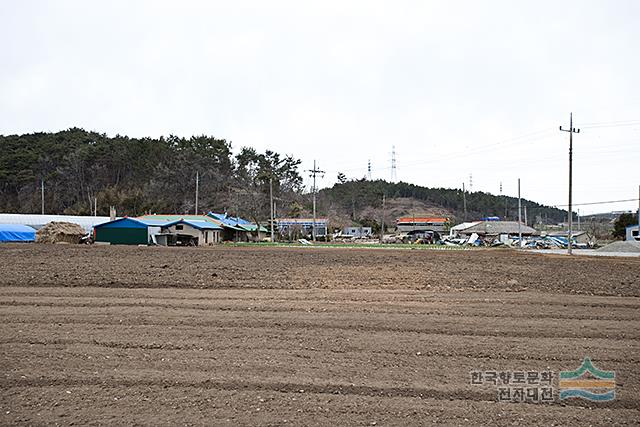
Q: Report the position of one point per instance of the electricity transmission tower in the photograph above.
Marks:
(394, 173)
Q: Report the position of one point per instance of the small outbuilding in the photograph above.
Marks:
(357, 231)
(294, 227)
(127, 231)
(633, 233)
(16, 233)
(422, 223)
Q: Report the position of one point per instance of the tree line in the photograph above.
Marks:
(140, 175)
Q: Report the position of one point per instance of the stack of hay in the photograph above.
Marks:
(60, 232)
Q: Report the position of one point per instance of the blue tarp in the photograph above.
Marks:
(17, 233)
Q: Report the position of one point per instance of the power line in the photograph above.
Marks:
(598, 203)
(527, 137)
(617, 123)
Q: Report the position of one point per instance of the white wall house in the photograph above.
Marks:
(188, 232)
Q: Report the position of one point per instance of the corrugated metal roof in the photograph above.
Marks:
(200, 225)
(133, 222)
(236, 223)
(498, 227)
(463, 225)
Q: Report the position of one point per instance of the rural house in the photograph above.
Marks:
(189, 233)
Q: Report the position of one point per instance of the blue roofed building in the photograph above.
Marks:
(241, 229)
(188, 232)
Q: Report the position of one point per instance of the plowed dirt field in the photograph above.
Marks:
(307, 336)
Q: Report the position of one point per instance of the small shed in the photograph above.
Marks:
(633, 233)
(421, 223)
(357, 231)
(303, 226)
(17, 233)
(127, 231)
(189, 233)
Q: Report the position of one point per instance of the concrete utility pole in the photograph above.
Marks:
(197, 185)
(382, 219)
(526, 222)
(42, 192)
(315, 171)
(271, 204)
(519, 216)
(571, 131)
(464, 201)
(638, 214)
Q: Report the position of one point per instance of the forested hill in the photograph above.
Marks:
(138, 175)
(361, 200)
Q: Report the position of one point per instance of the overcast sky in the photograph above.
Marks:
(459, 87)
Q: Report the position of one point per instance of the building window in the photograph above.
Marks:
(179, 227)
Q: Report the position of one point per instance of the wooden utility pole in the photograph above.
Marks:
(271, 205)
(464, 201)
(42, 193)
(382, 219)
(519, 216)
(315, 171)
(197, 185)
(571, 131)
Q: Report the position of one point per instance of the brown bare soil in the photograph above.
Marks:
(306, 336)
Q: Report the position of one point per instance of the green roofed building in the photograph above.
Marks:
(127, 231)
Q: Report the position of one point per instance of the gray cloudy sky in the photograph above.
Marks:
(459, 87)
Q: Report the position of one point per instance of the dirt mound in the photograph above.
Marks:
(60, 232)
(626, 246)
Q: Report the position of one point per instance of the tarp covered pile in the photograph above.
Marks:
(16, 233)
